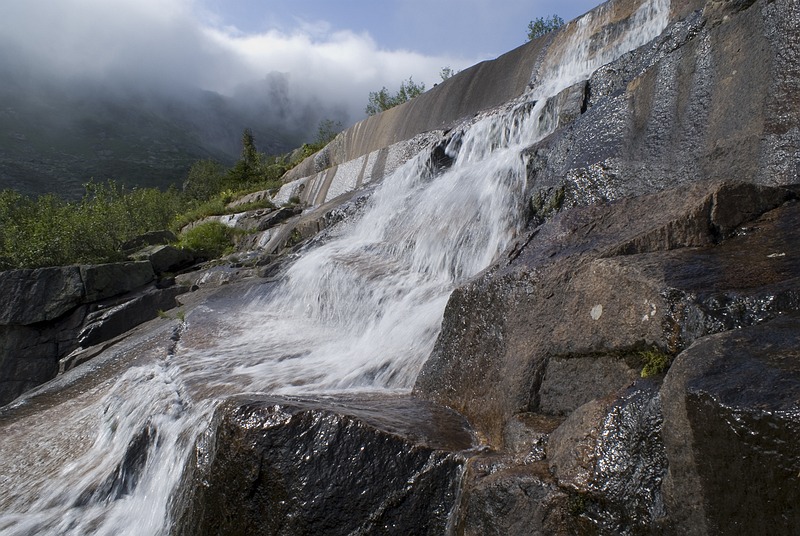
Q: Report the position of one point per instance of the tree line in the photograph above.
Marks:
(382, 100)
(50, 231)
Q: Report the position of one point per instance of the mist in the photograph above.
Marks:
(169, 47)
(138, 90)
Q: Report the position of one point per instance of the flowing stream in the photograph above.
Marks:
(360, 311)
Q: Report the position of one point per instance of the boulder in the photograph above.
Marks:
(108, 322)
(153, 238)
(39, 295)
(164, 258)
(610, 454)
(507, 499)
(372, 465)
(52, 311)
(103, 281)
(731, 405)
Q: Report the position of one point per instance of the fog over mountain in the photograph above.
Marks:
(138, 89)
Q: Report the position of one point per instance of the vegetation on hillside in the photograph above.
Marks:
(380, 101)
(51, 231)
(543, 25)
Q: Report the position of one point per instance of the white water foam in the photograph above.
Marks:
(359, 312)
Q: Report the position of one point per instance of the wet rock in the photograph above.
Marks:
(611, 278)
(124, 478)
(283, 466)
(512, 501)
(713, 97)
(26, 360)
(610, 453)
(731, 421)
(526, 434)
(570, 383)
(49, 316)
(214, 276)
(571, 451)
(276, 217)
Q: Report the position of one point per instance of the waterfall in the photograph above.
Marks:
(359, 311)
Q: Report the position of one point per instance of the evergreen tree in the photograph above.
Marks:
(248, 169)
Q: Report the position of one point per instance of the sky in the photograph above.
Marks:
(331, 52)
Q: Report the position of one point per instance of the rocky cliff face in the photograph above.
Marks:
(660, 245)
(52, 316)
(640, 255)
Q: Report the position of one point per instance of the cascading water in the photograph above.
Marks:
(360, 311)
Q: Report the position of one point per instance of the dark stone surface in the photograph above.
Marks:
(731, 422)
(571, 382)
(505, 499)
(327, 466)
(714, 97)
(103, 281)
(610, 454)
(48, 316)
(108, 322)
(165, 258)
(32, 296)
(27, 360)
(612, 277)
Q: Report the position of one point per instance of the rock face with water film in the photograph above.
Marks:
(380, 465)
(733, 397)
(563, 327)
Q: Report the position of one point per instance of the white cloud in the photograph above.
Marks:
(174, 44)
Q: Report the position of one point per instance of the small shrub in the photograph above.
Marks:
(208, 240)
(655, 362)
(446, 73)
(382, 100)
(205, 179)
(543, 25)
(264, 203)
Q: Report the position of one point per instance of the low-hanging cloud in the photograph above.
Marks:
(170, 45)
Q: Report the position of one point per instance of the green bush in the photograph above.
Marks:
(208, 240)
(382, 100)
(206, 178)
(49, 231)
(543, 25)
